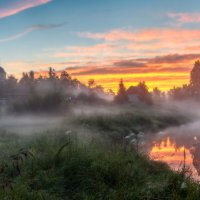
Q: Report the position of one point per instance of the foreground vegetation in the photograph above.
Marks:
(56, 165)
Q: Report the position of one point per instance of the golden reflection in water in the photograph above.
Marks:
(166, 151)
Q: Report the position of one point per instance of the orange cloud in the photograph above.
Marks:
(167, 63)
(124, 44)
(147, 35)
(103, 49)
(164, 71)
(161, 57)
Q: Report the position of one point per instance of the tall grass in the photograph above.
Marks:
(61, 167)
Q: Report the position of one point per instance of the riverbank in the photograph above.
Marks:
(113, 124)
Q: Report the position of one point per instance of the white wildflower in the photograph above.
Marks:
(133, 141)
(183, 185)
(132, 134)
(127, 137)
(141, 135)
(68, 132)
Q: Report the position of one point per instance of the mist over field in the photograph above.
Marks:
(99, 100)
(62, 138)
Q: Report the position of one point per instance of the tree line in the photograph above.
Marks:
(56, 92)
(46, 93)
(190, 90)
(142, 93)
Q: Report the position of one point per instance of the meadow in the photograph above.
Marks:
(87, 159)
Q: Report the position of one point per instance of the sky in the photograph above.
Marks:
(155, 41)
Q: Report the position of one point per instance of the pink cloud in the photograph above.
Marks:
(147, 42)
(162, 50)
(99, 51)
(17, 7)
(110, 36)
(183, 18)
(125, 43)
(146, 35)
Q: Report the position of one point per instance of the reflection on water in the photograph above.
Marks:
(167, 151)
(169, 147)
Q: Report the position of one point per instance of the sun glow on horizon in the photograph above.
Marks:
(164, 81)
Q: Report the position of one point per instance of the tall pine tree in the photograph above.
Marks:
(121, 96)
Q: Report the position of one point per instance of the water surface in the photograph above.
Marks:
(177, 147)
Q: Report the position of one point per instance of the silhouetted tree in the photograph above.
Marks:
(195, 80)
(191, 90)
(2, 81)
(143, 93)
(32, 75)
(52, 73)
(110, 92)
(180, 93)
(98, 89)
(91, 83)
(121, 96)
(64, 76)
(24, 78)
(157, 92)
(157, 95)
(65, 81)
(11, 85)
(50, 93)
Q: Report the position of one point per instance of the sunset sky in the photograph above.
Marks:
(156, 41)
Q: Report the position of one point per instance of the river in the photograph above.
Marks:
(178, 146)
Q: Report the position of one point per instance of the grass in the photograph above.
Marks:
(55, 165)
(91, 162)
